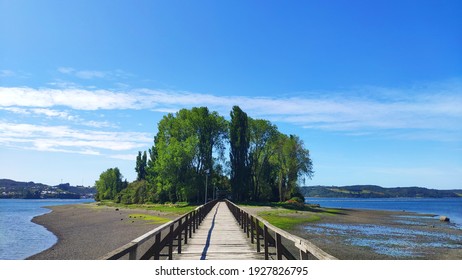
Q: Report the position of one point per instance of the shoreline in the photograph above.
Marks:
(88, 232)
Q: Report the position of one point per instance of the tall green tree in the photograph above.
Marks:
(141, 165)
(185, 146)
(109, 184)
(239, 154)
(263, 136)
(292, 161)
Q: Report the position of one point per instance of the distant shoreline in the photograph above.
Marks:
(373, 191)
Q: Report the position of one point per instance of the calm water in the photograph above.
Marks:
(450, 207)
(19, 237)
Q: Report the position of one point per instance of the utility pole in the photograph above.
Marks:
(207, 172)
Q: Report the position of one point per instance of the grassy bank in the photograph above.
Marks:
(171, 208)
(150, 219)
(288, 216)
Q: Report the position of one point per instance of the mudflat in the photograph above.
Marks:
(87, 231)
(379, 235)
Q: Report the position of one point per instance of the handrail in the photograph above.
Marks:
(153, 243)
(252, 225)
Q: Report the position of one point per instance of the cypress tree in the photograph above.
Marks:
(239, 154)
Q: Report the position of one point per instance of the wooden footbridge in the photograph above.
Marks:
(218, 230)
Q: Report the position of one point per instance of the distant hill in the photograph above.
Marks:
(372, 191)
(13, 189)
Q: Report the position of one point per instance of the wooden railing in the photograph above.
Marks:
(160, 242)
(273, 240)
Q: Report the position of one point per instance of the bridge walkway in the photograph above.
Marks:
(219, 237)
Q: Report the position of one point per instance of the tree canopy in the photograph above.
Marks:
(110, 184)
(239, 154)
(263, 165)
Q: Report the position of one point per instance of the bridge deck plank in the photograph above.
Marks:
(219, 237)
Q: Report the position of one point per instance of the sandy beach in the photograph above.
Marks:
(87, 231)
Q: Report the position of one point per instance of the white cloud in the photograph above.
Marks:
(94, 74)
(66, 70)
(64, 138)
(7, 73)
(436, 108)
(53, 113)
(130, 157)
(16, 110)
(90, 74)
(57, 114)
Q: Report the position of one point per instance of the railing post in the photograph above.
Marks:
(157, 244)
(132, 254)
(170, 243)
(202, 214)
(257, 226)
(186, 229)
(303, 255)
(180, 231)
(239, 220)
(244, 221)
(191, 221)
(279, 248)
(247, 222)
(194, 221)
(265, 241)
(252, 228)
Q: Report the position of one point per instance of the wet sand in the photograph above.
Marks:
(381, 235)
(87, 231)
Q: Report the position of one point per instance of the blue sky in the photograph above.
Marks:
(374, 88)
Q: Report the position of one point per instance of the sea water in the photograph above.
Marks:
(19, 236)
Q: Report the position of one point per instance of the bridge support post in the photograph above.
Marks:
(247, 223)
(265, 241)
(157, 249)
(252, 228)
(132, 254)
(186, 229)
(191, 224)
(180, 233)
(258, 230)
(170, 244)
(279, 247)
(303, 255)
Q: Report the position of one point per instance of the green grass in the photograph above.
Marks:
(150, 218)
(170, 208)
(288, 219)
(283, 216)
